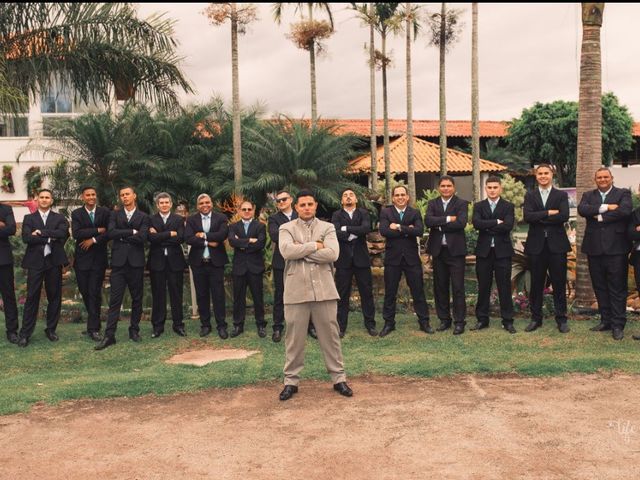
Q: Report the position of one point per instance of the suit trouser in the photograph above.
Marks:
(364, 281)
(8, 292)
(556, 265)
(449, 270)
(51, 276)
(161, 281)
(209, 283)
(122, 278)
(240, 282)
(486, 269)
(90, 286)
(609, 280)
(298, 316)
(413, 276)
(278, 304)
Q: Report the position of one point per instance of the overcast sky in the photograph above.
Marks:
(527, 52)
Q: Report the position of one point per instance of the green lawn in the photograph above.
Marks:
(71, 369)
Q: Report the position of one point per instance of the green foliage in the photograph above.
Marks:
(421, 204)
(548, 133)
(513, 191)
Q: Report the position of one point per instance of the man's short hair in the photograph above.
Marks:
(446, 177)
(247, 201)
(124, 187)
(88, 187)
(45, 190)
(603, 169)
(393, 191)
(305, 193)
(201, 196)
(283, 191)
(348, 190)
(160, 196)
(494, 179)
(544, 165)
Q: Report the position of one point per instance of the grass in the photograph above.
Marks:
(71, 369)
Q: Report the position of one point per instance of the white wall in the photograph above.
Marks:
(626, 177)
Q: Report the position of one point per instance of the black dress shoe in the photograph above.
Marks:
(443, 326)
(563, 327)
(480, 326)
(342, 333)
(106, 342)
(386, 330)
(425, 327)
(222, 333)
(13, 338)
(237, 330)
(636, 337)
(533, 325)
(95, 336)
(277, 336)
(343, 389)
(288, 392)
(617, 333)
(23, 342)
(204, 331)
(51, 336)
(156, 333)
(262, 332)
(372, 331)
(509, 327)
(135, 336)
(312, 332)
(458, 330)
(180, 331)
(601, 327)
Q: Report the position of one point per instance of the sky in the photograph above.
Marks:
(527, 53)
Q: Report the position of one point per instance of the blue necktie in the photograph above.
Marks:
(603, 195)
(206, 225)
(401, 215)
(92, 217)
(493, 206)
(246, 229)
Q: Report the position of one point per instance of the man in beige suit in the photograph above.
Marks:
(309, 247)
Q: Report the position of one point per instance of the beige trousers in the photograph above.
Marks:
(297, 318)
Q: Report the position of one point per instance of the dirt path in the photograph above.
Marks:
(574, 427)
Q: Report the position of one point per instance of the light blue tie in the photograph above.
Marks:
(401, 215)
(493, 206)
(603, 195)
(206, 226)
(92, 217)
(246, 229)
(544, 194)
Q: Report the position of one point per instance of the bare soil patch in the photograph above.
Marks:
(200, 358)
(467, 427)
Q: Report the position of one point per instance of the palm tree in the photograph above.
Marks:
(307, 34)
(445, 31)
(475, 107)
(218, 13)
(410, 24)
(589, 152)
(94, 48)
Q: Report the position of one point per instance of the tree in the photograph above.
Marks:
(411, 24)
(94, 48)
(219, 13)
(548, 133)
(475, 106)
(590, 131)
(445, 31)
(307, 34)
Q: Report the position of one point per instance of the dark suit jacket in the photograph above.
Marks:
(82, 229)
(354, 253)
(608, 237)
(126, 246)
(56, 230)
(162, 239)
(634, 236)
(535, 214)
(436, 220)
(9, 229)
(275, 220)
(401, 244)
(218, 232)
(486, 223)
(247, 257)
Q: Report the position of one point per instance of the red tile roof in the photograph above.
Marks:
(426, 159)
(421, 128)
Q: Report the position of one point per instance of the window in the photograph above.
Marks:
(56, 100)
(14, 126)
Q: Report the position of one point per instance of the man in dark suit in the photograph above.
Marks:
(128, 228)
(45, 233)
(206, 232)
(352, 225)
(607, 210)
(494, 219)
(285, 214)
(446, 218)
(546, 209)
(89, 225)
(402, 226)
(7, 289)
(166, 265)
(247, 237)
(633, 232)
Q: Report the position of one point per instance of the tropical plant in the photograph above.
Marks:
(513, 191)
(475, 106)
(94, 48)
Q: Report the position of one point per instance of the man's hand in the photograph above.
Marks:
(86, 244)
(500, 221)
(552, 212)
(319, 245)
(36, 233)
(395, 226)
(253, 240)
(212, 244)
(201, 235)
(153, 230)
(452, 218)
(101, 229)
(2, 224)
(638, 228)
(613, 206)
(174, 233)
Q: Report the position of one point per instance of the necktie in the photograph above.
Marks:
(206, 225)
(401, 215)
(92, 218)
(246, 229)
(544, 194)
(47, 247)
(493, 206)
(603, 195)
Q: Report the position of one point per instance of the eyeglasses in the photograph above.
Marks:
(280, 200)
(247, 209)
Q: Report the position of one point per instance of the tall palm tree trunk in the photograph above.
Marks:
(237, 143)
(312, 72)
(443, 101)
(589, 155)
(475, 105)
(385, 120)
(411, 171)
(372, 81)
